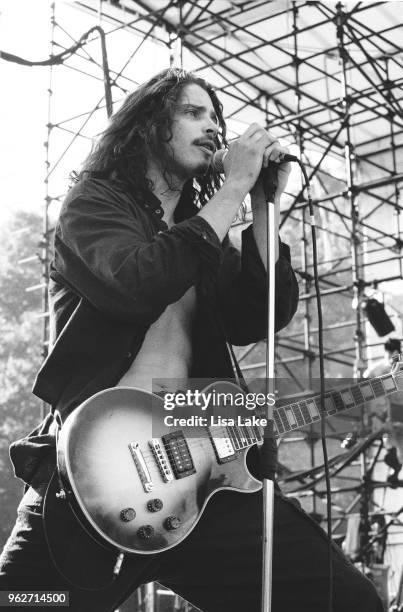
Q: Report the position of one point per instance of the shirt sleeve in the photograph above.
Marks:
(243, 291)
(103, 253)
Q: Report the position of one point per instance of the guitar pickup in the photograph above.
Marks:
(161, 459)
(141, 466)
(178, 454)
(223, 448)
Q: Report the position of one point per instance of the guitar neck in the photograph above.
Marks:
(308, 411)
(305, 412)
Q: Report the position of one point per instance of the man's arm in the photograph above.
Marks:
(260, 206)
(243, 300)
(242, 166)
(242, 291)
(103, 254)
(106, 253)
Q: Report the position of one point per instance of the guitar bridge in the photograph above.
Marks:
(141, 466)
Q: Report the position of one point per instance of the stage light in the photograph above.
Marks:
(377, 317)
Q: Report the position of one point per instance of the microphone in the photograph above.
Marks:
(268, 175)
(219, 156)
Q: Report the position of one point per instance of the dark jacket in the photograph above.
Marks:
(116, 267)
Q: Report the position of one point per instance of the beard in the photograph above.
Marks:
(180, 171)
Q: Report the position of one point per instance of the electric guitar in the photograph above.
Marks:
(141, 486)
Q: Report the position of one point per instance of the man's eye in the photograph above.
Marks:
(193, 111)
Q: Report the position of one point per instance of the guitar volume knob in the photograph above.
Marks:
(127, 515)
(145, 532)
(155, 505)
(172, 522)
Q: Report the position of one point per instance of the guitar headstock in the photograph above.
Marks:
(397, 371)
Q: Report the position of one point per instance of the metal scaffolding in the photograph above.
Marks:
(325, 78)
(210, 32)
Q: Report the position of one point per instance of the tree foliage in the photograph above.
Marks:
(20, 348)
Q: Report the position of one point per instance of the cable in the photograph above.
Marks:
(62, 497)
(54, 59)
(322, 380)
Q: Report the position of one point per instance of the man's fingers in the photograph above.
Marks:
(274, 153)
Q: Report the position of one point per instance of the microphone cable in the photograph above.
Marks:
(270, 175)
(321, 374)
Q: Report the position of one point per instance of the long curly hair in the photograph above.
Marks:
(142, 123)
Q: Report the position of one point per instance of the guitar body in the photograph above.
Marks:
(142, 487)
(107, 464)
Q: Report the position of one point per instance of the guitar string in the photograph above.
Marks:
(183, 443)
(151, 461)
(238, 445)
(221, 434)
(242, 442)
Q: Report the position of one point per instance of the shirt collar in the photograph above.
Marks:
(184, 209)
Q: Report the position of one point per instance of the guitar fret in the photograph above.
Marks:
(329, 405)
(284, 419)
(291, 417)
(366, 390)
(243, 436)
(277, 420)
(234, 437)
(258, 434)
(347, 397)
(250, 436)
(305, 413)
(357, 394)
(298, 415)
(313, 409)
(230, 436)
(377, 387)
(338, 401)
(246, 434)
(389, 383)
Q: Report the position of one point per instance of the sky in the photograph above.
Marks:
(25, 30)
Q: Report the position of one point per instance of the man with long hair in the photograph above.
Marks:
(145, 285)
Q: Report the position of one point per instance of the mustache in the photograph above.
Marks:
(206, 142)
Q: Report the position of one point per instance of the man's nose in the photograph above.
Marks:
(211, 127)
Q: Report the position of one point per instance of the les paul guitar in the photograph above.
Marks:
(144, 494)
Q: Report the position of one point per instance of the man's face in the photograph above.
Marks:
(194, 126)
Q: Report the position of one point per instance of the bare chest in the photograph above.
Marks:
(166, 352)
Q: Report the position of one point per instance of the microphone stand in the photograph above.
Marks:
(269, 447)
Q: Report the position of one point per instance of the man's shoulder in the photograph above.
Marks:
(98, 189)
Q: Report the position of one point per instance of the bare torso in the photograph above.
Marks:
(166, 352)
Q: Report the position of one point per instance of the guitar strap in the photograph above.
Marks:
(239, 377)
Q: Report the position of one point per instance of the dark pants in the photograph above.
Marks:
(217, 567)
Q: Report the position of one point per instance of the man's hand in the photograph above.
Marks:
(251, 152)
(272, 153)
(246, 156)
(242, 166)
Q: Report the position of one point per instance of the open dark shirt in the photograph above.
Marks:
(116, 267)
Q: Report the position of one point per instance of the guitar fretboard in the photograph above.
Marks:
(305, 412)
